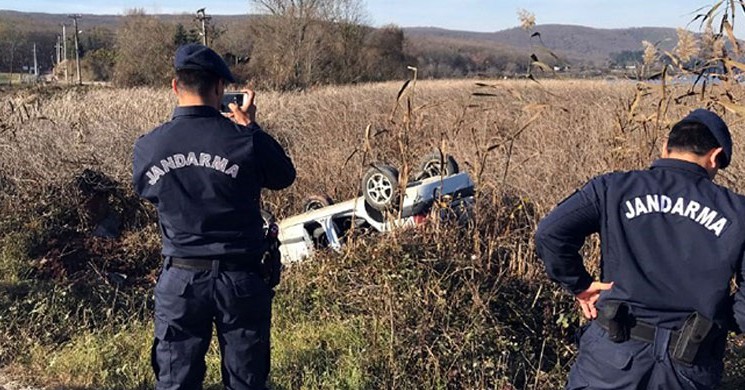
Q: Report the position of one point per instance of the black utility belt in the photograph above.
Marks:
(231, 263)
(641, 331)
(697, 334)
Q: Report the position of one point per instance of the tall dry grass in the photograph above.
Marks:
(53, 134)
(440, 307)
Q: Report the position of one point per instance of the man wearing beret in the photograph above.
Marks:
(671, 241)
(204, 173)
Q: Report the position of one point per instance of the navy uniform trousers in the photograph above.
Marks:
(632, 365)
(187, 303)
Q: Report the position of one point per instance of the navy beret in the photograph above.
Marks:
(718, 129)
(199, 57)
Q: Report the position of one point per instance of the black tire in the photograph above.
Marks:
(380, 187)
(432, 166)
(315, 202)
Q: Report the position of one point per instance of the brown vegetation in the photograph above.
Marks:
(439, 307)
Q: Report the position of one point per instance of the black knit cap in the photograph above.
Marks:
(718, 129)
(199, 57)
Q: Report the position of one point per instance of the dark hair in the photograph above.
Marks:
(197, 81)
(693, 137)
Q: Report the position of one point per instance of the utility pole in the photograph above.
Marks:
(203, 18)
(64, 52)
(36, 64)
(77, 48)
(58, 50)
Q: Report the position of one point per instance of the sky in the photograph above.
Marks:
(471, 15)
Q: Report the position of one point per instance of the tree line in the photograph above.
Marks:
(290, 44)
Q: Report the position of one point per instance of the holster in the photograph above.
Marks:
(693, 335)
(698, 336)
(619, 321)
(271, 262)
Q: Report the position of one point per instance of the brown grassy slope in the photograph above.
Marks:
(575, 130)
(52, 135)
(579, 129)
(575, 136)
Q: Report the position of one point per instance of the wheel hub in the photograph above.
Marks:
(432, 168)
(379, 188)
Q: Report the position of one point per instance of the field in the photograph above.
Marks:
(7, 78)
(435, 307)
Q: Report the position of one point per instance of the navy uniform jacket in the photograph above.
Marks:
(671, 241)
(204, 174)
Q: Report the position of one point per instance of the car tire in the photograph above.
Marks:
(435, 165)
(380, 187)
(315, 202)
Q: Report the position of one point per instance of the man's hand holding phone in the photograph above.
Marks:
(245, 114)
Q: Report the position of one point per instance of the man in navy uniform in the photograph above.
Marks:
(671, 242)
(204, 173)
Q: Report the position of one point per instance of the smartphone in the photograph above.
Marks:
(232, 97)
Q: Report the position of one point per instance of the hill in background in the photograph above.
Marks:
(437, 52)
(574, 44)
(44, 22)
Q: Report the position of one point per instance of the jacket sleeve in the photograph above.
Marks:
(275, 167)
(139, 172)
(561, 234)
(739, 304)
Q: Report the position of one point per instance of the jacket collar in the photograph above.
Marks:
(680, 165)
(195, 111)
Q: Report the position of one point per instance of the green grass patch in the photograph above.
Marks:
(111, 359)
(14, 261)
(307, 355)
(328, 354)
(6, 78)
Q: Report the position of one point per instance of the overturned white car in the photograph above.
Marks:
(380, 208)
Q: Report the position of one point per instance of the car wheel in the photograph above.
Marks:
(434, 165)
(315, 202)
(380, 187)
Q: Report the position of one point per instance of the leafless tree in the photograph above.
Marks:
(10, 40)
(302, 41)
(145, 49)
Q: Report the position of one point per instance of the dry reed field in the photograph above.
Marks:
(435, 307)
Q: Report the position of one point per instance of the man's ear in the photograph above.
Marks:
(712, 157)
(174, 86)
(220, 88)
(663, 151)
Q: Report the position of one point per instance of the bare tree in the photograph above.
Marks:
(301, 41)
(10, 40)
(145, 49)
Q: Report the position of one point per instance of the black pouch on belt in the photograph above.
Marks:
(617, 315)
(692, 337)
(271, 260)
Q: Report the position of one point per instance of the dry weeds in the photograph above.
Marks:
(527, 145)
